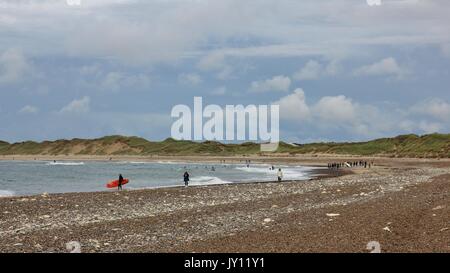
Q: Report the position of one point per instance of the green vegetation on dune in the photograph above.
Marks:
(3, 146)
(431, 146)
(434, 145)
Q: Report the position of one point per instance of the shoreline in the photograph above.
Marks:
(315, 174)
(328, 214)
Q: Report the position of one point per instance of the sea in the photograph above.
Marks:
(19, 178)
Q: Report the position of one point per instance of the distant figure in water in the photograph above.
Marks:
(213, 169)
(186, 179)
(280, 175)
(54, 161)
(119, 186)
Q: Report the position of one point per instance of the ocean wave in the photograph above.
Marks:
(257, 170)
(65, 163)
(170, 162)
(292, 174)
(288, 173)
(207, 180)
(134, 162)
(6, 193)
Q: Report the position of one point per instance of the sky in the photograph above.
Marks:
(341, 70)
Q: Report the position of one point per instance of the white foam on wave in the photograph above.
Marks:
(6, 193)
(170, 162)
(189, 163)
(134, 162)
(207, 180)
(257, 170)
(288, 173)
(65, 163)
(293, 174)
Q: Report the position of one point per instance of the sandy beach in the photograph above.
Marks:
(403, 204)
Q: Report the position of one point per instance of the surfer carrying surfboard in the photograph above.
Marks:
(119, 185)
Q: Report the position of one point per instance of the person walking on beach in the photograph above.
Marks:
(280, 175)
(186, 179)
(119, 186)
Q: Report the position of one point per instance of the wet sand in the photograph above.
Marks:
(404, 205)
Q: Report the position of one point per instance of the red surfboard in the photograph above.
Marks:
(115, 183)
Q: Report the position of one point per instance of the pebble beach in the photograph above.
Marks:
(400, 207)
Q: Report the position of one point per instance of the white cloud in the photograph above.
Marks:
(333, 115)
(115, 81)
(112, 81)
(139, 31)
(13, 66)
(310, 71)
(338, 109)
(333, 68)
(97, 77)
(430, 127)
(190, 79)
(373, 2)
(340, 115)
(29, 109)
(77, 106)
(215, 61)
(335, 109)
(435, 108)
(277, 83)
(385, 67)
(293, 106)
(314, 70)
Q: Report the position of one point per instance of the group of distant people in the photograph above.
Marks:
(354, 164)
(279, 173)
(247, 163)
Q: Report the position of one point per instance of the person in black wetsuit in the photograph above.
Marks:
(119, 186)
(186, 179)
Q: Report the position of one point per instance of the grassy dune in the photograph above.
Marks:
(434, 145)
(431, 146)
